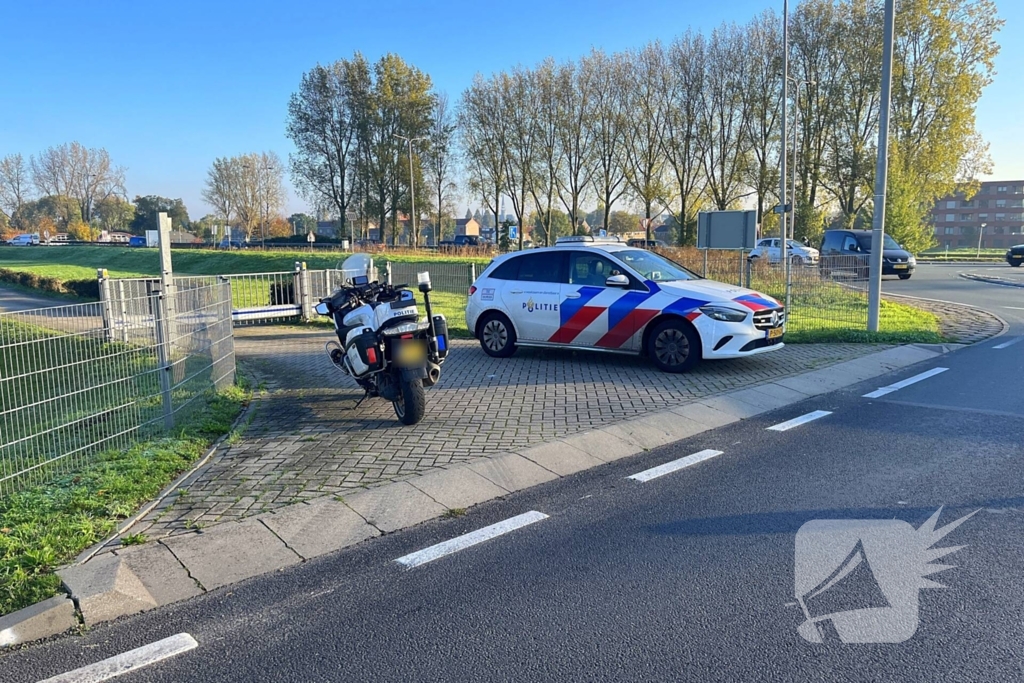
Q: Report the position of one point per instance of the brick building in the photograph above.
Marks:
(997, 210)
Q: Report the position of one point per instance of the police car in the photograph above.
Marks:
(601, 294)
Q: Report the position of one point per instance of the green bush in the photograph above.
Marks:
(84, 289)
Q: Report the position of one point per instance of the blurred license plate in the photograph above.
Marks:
(776, 333)
(411, 353)
(1018, 256)
(901, 266)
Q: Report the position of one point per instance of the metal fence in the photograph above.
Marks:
(80, 379)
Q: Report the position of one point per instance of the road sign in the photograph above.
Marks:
(513, 232)
(310, 237)
(726, 229)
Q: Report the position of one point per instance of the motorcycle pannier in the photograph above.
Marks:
(363, 355)
(441, 330)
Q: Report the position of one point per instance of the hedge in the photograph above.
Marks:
(84, 289)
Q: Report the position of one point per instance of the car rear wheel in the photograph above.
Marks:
(798, 261)
(674, 346)
(497, 336)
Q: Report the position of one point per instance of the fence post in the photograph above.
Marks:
(705, 273)
(106, 305)
(749, 267)
(304, 289)
(387, 266)
(472, 273)
(157, 304)
(741, 268)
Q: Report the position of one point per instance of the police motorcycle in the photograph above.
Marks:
(384, 346)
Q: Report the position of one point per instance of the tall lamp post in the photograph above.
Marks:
(792, 214)
(981, 232)
(412, 188)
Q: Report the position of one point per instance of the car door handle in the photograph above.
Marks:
(515, 291)
(574, 295)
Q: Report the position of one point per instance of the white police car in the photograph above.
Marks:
(603, 295)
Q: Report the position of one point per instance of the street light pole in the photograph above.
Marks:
(782, 161)
(981, 231)
(881, 173)
(412, 188)
(792, 214)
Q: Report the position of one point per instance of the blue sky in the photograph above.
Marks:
(167, 87)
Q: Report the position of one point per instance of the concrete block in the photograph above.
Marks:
(644, 436)
(105, 588)
(394, 506)
(41, 620)
(160, 572)
(322, 526)
(458, 487)
(741, 410)
(231, 552)
(673, 424)
(560, 458)
(512, 472)
(701, 413)
(602, 445)
(765, 400)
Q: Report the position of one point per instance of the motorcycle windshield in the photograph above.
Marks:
(356, 267)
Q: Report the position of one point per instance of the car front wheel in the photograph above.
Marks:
(674, 346)
(497, 336)
(904, 276)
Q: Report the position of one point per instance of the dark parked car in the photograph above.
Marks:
(1015, 255)
(233, 244)
(645, 244)
(849, 250)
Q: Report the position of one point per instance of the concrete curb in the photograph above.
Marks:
(991, 279)
(135, 579)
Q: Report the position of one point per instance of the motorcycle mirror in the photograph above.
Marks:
(423, 279)
(321, 308)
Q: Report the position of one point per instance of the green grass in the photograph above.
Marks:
(897, 323)
(46, 526)
(71, 263)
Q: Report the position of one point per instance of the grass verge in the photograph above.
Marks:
(46, 526)
(897, 324)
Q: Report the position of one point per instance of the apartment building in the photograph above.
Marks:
(997, 211)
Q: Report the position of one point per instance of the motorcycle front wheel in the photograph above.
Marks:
(411, 404)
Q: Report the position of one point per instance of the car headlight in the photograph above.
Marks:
(912, 260)
(723, 314)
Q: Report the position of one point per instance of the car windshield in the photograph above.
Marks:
(793, 244)
(865, 242)
(654, 267)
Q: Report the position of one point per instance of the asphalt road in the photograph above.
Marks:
(690, 576)
(18, 300)
(943, 282)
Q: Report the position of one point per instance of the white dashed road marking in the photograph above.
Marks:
(674, 466)
(797, 421)
(128, 661)
(458, 543)
(1008, 343)
(878, 393)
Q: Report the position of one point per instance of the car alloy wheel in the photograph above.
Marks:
(671, 347)
(495, 335)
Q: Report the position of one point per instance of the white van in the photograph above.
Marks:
(25, 240)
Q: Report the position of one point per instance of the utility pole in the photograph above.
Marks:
(412, 189)
(784, 254)
(981, 232)
(881, 173)
(792, 214)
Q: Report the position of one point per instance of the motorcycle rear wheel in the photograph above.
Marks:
(411, 404)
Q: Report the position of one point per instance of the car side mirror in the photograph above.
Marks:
(617, 281)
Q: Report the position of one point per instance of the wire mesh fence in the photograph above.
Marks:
(80, 379)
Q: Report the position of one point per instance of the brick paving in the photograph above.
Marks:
(306, 439)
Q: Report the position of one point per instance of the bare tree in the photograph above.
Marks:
(81, 175)
(219, 190)
(518, 126)
(324, 117)
(575, 90)
(724, 113)
(607, 127)
(547, 160)
(249, 187)
(481, 136)
(440, 159)
(762, 94)
(15, 187)
(683, 152)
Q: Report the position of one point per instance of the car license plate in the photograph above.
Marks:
(776, 332)
(1018, 256)
(410, 354)
(901, 266)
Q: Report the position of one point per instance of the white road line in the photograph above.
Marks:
(1008, 343)
(128, 661)
(1014, 308)
(878, 393)
(458, 543)
(674, 466)
(797, 421)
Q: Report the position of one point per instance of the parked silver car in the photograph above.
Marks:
(771, 249)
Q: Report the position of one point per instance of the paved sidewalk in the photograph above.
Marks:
(306, 439)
